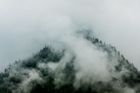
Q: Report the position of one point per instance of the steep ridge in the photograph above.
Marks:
(61, 71)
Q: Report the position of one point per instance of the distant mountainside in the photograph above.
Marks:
(59, 71)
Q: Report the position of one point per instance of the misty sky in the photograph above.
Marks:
(27, 25)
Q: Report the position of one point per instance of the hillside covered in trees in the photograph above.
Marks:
(65, 70)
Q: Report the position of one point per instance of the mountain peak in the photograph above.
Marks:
(88, 66)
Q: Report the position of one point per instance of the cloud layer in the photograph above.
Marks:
(26, 26)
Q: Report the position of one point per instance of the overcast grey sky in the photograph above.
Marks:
(26, 25)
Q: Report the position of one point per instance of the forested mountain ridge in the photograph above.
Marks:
(57, 71)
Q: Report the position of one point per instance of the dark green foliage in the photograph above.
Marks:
(49, 55)
(45, 55)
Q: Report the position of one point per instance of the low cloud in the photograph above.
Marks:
(25, 26)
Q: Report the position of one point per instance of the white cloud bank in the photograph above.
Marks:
(25, 26)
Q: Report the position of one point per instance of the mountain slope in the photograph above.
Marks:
(83, 64)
